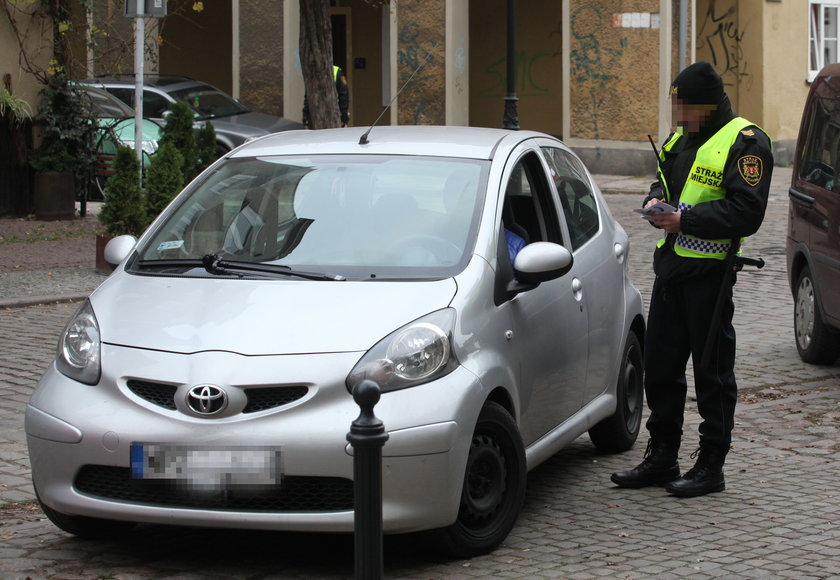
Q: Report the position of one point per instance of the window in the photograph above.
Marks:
(577, 200)
(823, 36)
(821, 153)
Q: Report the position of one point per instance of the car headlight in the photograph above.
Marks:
(79, 347)
(417, 353)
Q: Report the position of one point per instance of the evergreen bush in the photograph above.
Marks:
(164, 179)
(124, 211)
(205, 147)
(178, 130)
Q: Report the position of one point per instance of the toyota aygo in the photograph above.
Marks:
(475, 275)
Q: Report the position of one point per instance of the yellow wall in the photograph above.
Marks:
(38, 48)
(761, 51)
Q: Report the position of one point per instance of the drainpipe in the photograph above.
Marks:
(683, 33)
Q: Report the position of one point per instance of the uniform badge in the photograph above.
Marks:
(748, 132)
(749, 166)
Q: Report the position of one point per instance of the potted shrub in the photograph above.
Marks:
(164, 179)
(15, 139)
(65, 157)
(124, 209)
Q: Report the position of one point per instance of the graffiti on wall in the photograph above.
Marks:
(527, 84)
(720, 34)
(591, 62)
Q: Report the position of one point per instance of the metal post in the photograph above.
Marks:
(139, 45)
(367, 436)
(511, 118)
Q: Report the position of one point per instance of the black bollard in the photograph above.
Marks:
(367, 436)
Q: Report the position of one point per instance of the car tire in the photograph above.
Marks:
(619, 431)
(494, 486)
(83, 526)
(816, 342)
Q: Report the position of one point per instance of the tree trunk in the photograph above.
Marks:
(316, 61)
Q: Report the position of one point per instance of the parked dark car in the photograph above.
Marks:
(813, 242)
(234, 122)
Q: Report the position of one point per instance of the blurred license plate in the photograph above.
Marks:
(207, 466)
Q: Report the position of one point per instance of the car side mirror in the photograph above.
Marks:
(539, 262)
(119, 248)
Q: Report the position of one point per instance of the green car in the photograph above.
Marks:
(116, 123)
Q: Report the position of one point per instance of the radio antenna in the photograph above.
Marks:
(363, 140)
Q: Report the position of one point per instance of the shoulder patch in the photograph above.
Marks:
(748, 132)
(751, 170)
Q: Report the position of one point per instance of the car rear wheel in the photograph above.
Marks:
(494, 486)
(83, 526)
(619, 431)
(816, 342)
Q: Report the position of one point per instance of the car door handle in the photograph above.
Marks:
(577, 289)
(620, 252)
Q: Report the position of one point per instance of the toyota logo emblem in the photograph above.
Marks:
(206, 399)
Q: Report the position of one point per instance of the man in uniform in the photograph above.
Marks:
(342, 94)
(714, 169)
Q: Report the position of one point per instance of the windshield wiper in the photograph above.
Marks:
(216, 265)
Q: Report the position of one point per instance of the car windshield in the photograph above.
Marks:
(358, 217)
(210, 103)
(106, 106)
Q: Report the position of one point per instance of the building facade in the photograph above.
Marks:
(594, 72)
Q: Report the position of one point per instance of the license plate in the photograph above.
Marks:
(207, 467)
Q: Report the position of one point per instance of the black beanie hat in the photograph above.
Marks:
(698, 84)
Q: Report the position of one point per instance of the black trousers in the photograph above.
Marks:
(678, 321)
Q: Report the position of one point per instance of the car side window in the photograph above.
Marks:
(527, 209)
(821, 153)
(576, 197)
(154, 105)
(125, 95)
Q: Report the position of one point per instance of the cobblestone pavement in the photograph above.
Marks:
(778, 518)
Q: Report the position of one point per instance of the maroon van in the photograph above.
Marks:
(813, 241)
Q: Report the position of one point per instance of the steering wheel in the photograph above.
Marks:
(426, 250)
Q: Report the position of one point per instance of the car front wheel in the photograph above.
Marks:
(619, 431)
(494, 486)
(815, 341)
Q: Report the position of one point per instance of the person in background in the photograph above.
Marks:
(343, 94)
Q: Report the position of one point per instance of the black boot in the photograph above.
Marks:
(658, 467)
(705, 477)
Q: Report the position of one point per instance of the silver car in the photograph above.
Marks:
(232, 121)
(208, 380)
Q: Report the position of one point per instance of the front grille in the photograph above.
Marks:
(271, 397)
(295, 493)
(259, 398)
(160, 394)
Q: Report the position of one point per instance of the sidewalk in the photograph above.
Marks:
(46, 262)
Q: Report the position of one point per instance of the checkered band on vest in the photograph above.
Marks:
(701, 246)
(697, 244)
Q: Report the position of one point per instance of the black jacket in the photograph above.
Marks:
(741, 211)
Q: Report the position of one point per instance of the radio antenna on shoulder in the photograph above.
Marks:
(363, 140)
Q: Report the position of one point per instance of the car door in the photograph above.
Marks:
(815, 202)
(548, 324)
(599, 265)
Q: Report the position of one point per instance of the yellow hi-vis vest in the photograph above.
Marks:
(704, 183)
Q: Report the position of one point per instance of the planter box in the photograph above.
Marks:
(102, 266)
(54, 195)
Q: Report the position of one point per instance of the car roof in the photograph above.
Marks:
(428, 140)
(827, 83)
(167, 83)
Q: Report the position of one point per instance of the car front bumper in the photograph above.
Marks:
(74, 428)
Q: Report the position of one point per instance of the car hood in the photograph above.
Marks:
(254, 124)
(253, 317)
